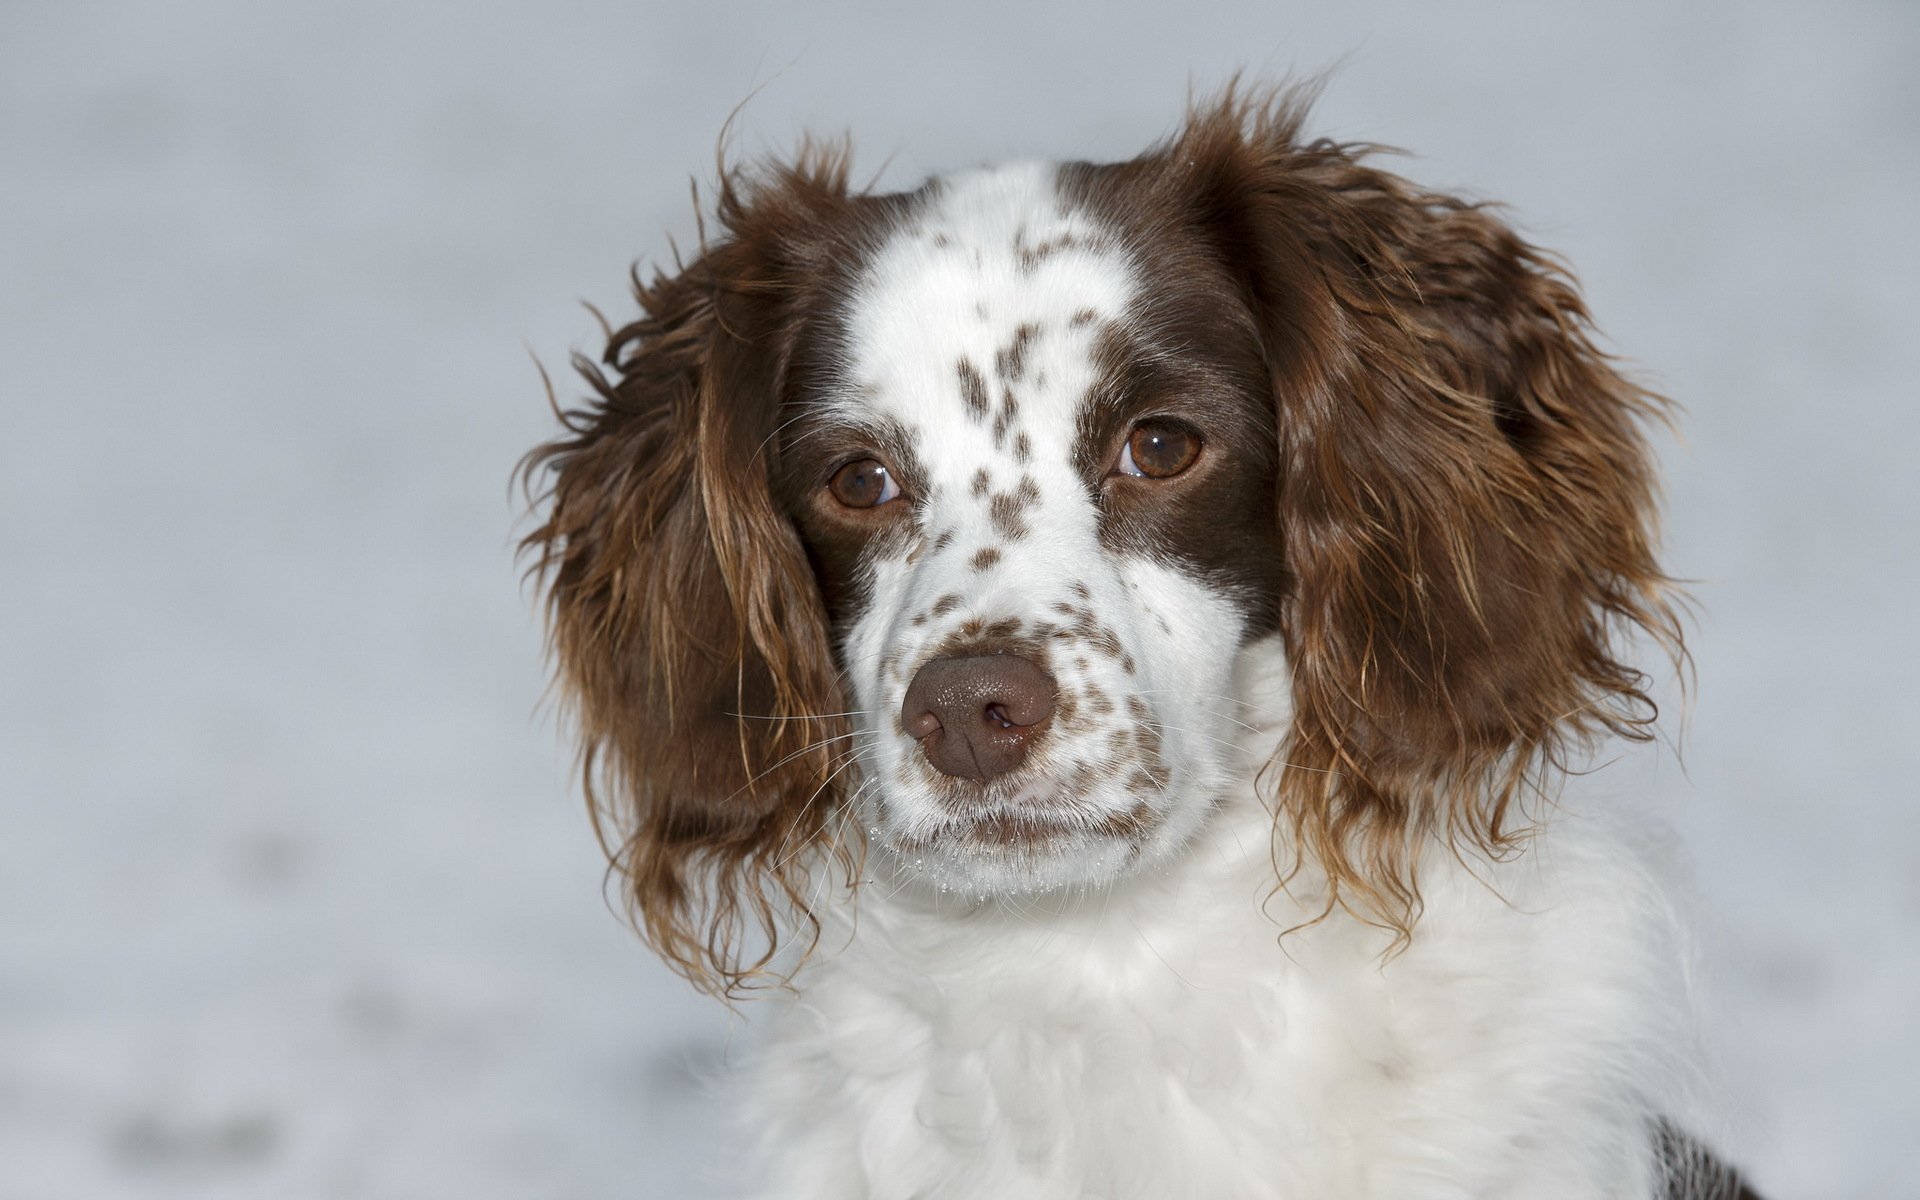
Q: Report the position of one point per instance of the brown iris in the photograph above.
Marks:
(863, 483)
(1159, 449)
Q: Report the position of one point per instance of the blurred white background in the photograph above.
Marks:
(296, 896)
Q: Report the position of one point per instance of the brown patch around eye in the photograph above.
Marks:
(1162, 449)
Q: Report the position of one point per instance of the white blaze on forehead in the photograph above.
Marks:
(992, 253)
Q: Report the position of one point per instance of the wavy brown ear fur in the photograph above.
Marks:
(684, 621)
(1466, 502)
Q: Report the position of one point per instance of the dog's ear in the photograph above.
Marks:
(684, 620)
(1466, 502)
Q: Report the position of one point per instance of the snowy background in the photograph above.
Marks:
(296, 897)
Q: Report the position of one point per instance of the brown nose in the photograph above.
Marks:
(974, 716)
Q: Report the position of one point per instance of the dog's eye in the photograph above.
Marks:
(865, 483)
(1158, 449)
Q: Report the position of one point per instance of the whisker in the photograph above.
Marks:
(809, 748)
(1161, 726)
(837, 762)
(846, 761)
(857, 712)
(1210, 712)
(835, 831)
(777, 430)
(1233, 700)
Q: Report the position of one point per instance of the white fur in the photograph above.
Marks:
(1125, 1020)
(1159, 1038)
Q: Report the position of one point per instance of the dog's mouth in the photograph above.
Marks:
(1029, 830)
(1046, 825)
(1026, 849)
(1031, 819)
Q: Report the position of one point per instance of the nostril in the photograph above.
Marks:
(921, 725)
(1020, 695)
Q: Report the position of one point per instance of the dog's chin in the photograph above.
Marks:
(1004, 850)
(981, 862)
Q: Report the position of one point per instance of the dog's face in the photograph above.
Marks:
(1038, 490)
(934, 523)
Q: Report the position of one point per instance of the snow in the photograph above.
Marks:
(297, 898)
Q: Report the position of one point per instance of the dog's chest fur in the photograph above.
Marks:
(1163, 1039)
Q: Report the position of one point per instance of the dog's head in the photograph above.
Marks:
(936, 522)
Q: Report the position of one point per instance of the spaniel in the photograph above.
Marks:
(1105, 638)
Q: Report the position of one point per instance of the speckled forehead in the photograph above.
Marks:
(988, 300)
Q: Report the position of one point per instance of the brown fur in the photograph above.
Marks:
(685, 620)
(1466, 502)
(1464, 509)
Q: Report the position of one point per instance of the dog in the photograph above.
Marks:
(1103, 640)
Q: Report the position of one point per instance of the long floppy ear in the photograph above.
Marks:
(686, 626)
(1466, 503)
